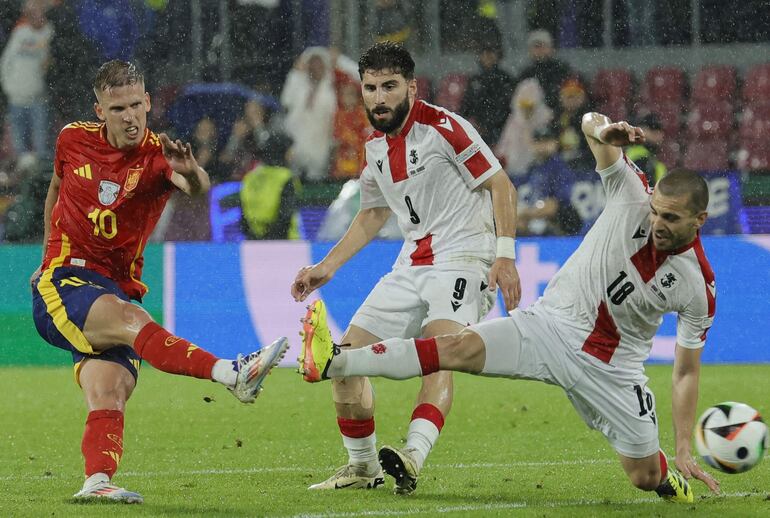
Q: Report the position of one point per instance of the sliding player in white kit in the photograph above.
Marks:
(592, 330)
(456, 208)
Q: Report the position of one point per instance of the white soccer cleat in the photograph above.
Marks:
(350, 476)
(400, 465)
(253, 368)
(98, 486)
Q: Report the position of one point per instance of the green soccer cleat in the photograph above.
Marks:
(675, 489)
(400, 465)
(318, 349)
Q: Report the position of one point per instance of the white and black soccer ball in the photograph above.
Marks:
(731, 437)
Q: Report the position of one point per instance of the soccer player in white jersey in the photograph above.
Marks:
(592, 329)
(456, 208)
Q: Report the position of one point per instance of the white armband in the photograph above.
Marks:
(598, 132)
(506, 247)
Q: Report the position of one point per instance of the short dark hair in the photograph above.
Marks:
(387, 55)
(678, 182)
(117, 73)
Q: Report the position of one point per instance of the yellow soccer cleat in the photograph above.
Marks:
(675, 489)
(318, 349)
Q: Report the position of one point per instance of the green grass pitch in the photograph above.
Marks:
(508, 448)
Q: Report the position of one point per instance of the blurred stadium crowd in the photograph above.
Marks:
(272, 105)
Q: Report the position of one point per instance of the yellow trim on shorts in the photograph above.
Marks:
(55, 306)
(76, 371)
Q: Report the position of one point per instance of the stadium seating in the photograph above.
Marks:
(710, 120)
(611, 85)
(754, 146)
(707, 155)
(615, 109)
(756, 87)
(714, 84)
(451, 90)
(424, 88)
(664, 85)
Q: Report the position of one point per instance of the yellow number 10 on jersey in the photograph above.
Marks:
(105, 222)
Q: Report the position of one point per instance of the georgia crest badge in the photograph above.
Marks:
(132, 180)
(108, 192)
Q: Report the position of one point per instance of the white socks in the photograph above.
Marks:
(362, 451)
(421, 437)
(224, 372)
(395, 358)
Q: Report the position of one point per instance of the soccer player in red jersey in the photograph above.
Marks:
(111, 181)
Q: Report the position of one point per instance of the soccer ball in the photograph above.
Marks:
(731, 437)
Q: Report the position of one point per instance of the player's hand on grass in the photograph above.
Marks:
(504, 274)
(622, 134)
(689, 468)
(309, 279)
(179, 155)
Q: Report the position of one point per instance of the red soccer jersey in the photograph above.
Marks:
(109, 202)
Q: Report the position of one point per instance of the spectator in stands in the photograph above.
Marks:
(204, 142)
(72, 56)
(310, 102)
(644, 155)
(351, 128)
(544, 205)
(23, 64)
(573, 103)
(528, 113)
(392, 21)
(486, 103)
(249, 132)
(545, 67)
(269, 193)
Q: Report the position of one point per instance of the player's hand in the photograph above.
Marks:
(622, 134)
(179, 155)
(35, 275)
(690, 469)
(504, 274)
(309, 279)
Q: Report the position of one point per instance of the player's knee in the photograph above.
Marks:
(103, 393)
(461, 352)
(645, 479)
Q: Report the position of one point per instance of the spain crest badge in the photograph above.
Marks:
(132, 180)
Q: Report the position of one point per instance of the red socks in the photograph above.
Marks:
(102, 444)
(663, 466)
(356, 428)
(172, 354)
(427, 354)
(429, 413)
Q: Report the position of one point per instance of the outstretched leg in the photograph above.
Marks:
(114, 322)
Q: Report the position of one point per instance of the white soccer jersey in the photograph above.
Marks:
(613, 291)
(429, 177)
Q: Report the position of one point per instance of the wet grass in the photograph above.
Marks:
(192, 449)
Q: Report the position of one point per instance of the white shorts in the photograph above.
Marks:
(405, 300)
(617, 402)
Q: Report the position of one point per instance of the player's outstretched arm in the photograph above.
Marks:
(188, 176)
(363, 229)
(503, 272)
(605, 138)
(684, 400)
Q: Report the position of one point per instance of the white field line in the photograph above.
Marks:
(503, 506)
(294, 469)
